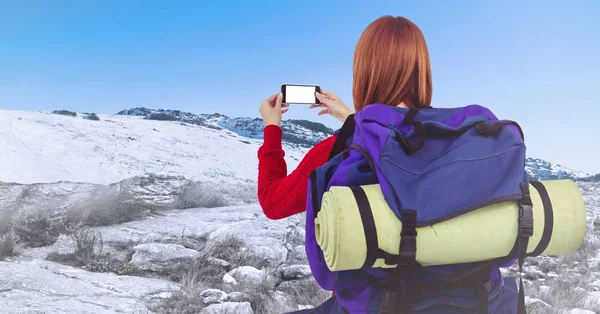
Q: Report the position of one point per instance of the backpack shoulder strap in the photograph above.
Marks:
(343, 135)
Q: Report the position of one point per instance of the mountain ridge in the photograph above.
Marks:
(303, 133)
(252, 127)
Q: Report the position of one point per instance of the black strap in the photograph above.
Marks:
(525, 231)
(365, 155)
(437, 286)
(486, 129)
(398, 297)
(483, 290)
(420, 131)
(313, 192)
(548, 218)
(366, 215)
(377, 284)
(408, 238)
(407, 260)
(409, 118)
(341, 140)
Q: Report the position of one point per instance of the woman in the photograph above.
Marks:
(391, 66)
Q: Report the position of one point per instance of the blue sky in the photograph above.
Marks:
(533, 61)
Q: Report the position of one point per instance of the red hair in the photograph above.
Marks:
(391, 65)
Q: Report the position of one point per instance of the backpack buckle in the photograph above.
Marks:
(482, 127)
(525, 220)
(408, 238)
(408, 250)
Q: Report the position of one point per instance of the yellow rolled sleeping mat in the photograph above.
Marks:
(483, 234)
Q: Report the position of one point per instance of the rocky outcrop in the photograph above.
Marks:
(158, 257)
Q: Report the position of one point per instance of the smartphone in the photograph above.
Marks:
(300, 94)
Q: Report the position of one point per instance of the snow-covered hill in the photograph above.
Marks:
(41, 147)
(545, 170)
(38, 147)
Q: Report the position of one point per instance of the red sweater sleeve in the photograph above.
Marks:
(282, 195)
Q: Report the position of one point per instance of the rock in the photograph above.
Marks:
(247, 275)
(597, 222)
(212, 296)
(282, 297)
(291, 286)
(295, 272)
(536, 303)
(229, 280)
(593, 299)
(305, 307)
(264, 238)
(298, 287)
(159, 257)
(581, 311)
(300, 254)
(165, 295)
(39, 286)
(238, 297)
(229, 308)
(544, 291)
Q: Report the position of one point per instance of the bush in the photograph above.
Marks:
(94, 117)
(107, 206)
(186, 301)
(103, 264)
(307, 292)
(38, 230)
(65, 113)
(88, 246)
(231, 249)
(88, 255)
(570, 289)
(201, 194)
(88, 243)
(200, 271)
(8, 243)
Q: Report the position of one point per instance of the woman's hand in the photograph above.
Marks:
(333, 105)
(271, 109)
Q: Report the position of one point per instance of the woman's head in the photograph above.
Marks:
(391, 65)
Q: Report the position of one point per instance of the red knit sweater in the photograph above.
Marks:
(282, 195)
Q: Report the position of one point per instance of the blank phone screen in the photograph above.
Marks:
(300, 94)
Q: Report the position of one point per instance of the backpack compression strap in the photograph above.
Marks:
(399, 289)
(345, 133)
(525, 231)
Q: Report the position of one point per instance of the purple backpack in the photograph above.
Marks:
(432, 164)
